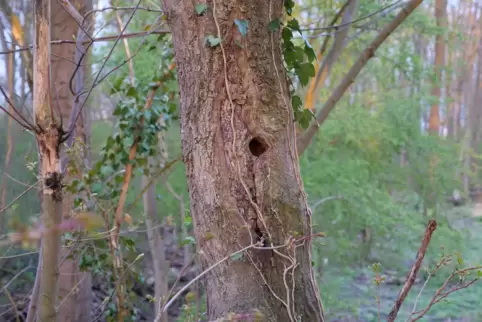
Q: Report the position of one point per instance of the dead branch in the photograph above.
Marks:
(432, 225)
(21, 119)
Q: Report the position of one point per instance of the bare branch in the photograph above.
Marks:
(322, 201)
(74, 14)
(185, 287)
(19, 196)
(438, 296)
(354, 21)
(148, 9)
(98, 39)
(432, 225)
(72, 125)
(21, 120)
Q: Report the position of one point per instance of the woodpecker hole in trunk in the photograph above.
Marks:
(257, 146)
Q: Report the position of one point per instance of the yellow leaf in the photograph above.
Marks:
(17, 30)
(128, 219)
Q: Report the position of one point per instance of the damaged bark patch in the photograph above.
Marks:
(49, 147)
(257, 146)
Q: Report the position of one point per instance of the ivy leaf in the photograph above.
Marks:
(212, 41)
(274, 25)
(294, 56)
(201, 8)
(242, 25)
(304, 72)
(294, 24)
(289, 4)
(287, 35)
(304, 118)
(296, 102)
(310, 53)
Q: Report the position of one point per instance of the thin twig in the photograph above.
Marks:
(15, 277)
(12, 302)
(16, 180)
(18, 197)
(438, 296)
(153, 179)
(29, 125)
(430, 274)
(355, 20)
(100, 70)
(148, 9)
(432, 225)
(74, 14)
(322, 201)
(162, 303)
(168, 304)
(98, 39)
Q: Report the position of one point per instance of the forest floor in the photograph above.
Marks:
(349, 294)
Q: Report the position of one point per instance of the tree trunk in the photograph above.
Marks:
(48, 138)
(473, 126)
(155, 239)
(8, 155)
(441, 18)
(339, 44)
(243, 174)
(156, 247)
(75, 287)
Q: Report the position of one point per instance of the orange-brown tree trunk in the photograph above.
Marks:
(441, 18)
(241, 164)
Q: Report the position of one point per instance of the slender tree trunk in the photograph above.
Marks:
(441, 18)
(243, 176)
(323, 70)
(8, 155)
(48, 137)
(75, 287)
(156, 247)
(474, 119)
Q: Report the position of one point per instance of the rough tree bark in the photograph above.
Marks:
(242, 169)
(48, 137)
(75, 287)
